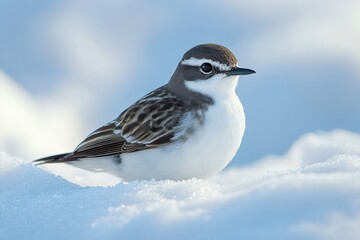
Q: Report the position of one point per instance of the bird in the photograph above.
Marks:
(191, 127)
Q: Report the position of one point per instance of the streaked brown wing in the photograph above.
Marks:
(149, 123)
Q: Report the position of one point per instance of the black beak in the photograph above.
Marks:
(239, 71)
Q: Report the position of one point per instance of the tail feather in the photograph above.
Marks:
(50, 159)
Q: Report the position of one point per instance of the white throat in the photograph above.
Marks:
(219, 86)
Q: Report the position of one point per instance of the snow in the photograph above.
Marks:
(311, 192)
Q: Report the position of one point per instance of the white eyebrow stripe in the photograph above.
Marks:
(197, 62)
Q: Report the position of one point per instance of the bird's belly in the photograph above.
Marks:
(204, 154)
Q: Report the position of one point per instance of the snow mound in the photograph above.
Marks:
(311, 192)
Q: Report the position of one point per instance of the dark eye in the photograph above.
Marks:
(206, 67)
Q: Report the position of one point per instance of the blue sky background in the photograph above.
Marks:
(72, 66)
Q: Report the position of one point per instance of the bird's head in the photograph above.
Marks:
(208, 69)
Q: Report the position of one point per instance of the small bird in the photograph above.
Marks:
(190, 127)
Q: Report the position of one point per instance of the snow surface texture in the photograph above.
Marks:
(312, 192)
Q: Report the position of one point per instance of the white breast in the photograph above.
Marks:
(206, 152)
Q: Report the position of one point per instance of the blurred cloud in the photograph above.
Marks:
(8, 162)
(99, 44)
(299, 30)
(30, 127)
(93, 62)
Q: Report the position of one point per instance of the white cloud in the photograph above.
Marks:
(8, 162)
(95, 57)
(30, 127)
(99, 59)
(301, 29)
